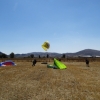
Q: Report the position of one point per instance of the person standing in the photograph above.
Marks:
(87, 62)
(34, 62)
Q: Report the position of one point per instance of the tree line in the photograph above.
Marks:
(12, 55)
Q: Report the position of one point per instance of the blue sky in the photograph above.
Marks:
(69, 25)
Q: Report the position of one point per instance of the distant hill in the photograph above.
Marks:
(1, 53)
(89, 52)
(83, 53)
(42, 54)
(86, 52)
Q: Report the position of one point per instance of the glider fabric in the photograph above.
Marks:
(59, 64)
(7, 63)
(46, 45)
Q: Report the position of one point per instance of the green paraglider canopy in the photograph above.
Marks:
(59, 64)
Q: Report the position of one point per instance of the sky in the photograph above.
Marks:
(68, 25)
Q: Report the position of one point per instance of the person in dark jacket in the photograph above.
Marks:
(34, 62)
(87, 62)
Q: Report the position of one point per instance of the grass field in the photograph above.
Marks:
(25, 82)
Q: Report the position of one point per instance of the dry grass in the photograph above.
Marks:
(25, 82)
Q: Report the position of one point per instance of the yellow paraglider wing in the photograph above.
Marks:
(46, 45)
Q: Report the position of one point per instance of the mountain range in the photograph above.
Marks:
(83, 53)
